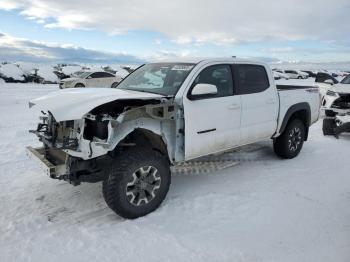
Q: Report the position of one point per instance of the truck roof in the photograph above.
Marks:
(208, 60)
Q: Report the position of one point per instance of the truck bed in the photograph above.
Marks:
(290, 95)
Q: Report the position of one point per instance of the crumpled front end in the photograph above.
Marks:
(73, 137)
(336, 104)
(73, 149)
(60, 135)
(337, 110)
(59, 139)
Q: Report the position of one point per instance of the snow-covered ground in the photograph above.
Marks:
(264, 209)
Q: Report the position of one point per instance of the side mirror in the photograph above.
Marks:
(89, 77)
(203, 91)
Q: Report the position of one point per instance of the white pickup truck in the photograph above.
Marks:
(163, 114)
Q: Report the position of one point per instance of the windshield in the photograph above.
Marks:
(84, 74)
(346, 80)
(158, 78)
(78, 73)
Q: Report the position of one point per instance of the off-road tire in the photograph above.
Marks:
(79, 85)
(121, 172)
(328, 126)
(282, 144)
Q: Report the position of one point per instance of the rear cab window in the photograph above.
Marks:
(251, 79)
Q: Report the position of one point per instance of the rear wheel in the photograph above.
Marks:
(137, 183)
(290, 142)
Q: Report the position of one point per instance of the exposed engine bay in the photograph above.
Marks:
(80, 147)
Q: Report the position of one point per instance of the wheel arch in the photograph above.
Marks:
(145, 132)
(300, 111)
(148, 138)
(79, 84)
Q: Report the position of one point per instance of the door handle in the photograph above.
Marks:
(234, 107)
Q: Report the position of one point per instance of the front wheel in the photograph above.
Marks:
(138, 181)
(290, 142)
(79, 85)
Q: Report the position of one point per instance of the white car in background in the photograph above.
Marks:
(295, 74)
(90, 79)
(278, 75)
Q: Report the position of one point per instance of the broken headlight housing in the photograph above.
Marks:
(331, 93)
(61, 135)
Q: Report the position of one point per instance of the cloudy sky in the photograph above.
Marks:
(135, 30)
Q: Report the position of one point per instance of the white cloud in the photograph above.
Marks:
(19, 49)
(183, 40)
(286, 49)
(8, 5)
(221, 22)
(158, 41)
(165, 54)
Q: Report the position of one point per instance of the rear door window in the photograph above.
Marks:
(252, 79)
(105, 74)
(95, 75)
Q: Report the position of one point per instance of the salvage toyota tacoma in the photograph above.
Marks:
(163, 114)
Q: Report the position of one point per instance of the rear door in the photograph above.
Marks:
(107, 79)
(94, 80)
(260, 102)
(212, 124)
(292, 74)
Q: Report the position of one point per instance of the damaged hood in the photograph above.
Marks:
(74, 103)
(341, 88)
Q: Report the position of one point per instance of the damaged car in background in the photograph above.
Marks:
(163, 114)
(336, 104)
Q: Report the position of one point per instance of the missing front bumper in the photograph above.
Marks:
(59, 165)
(54, 168)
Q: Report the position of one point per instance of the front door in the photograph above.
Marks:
(212, 124)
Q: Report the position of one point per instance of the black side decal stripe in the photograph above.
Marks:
(292, 87)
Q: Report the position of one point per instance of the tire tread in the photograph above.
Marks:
(280, 144)
(119, 171)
